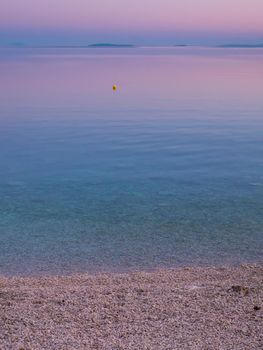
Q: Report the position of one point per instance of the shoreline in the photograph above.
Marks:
(179, 308)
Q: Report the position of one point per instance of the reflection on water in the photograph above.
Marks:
(166, 171)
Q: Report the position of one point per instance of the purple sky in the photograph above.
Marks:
(139, 21)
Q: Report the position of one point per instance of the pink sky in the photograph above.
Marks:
(146, 17)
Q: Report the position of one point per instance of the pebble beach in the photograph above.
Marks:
(185, 308)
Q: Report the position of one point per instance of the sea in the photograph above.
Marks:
(165, 171)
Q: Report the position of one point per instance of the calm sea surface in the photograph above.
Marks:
(166, 171)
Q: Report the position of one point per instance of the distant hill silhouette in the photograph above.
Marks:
(110, 45)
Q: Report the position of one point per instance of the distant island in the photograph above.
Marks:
(245, 46)
(180, 45)
(21, 45)
(110, 45)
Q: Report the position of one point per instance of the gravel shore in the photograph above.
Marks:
(186, 308)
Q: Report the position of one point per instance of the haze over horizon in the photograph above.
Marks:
(82, 22)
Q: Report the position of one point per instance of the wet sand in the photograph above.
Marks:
(186, 308)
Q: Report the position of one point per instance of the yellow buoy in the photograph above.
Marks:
(114, 87)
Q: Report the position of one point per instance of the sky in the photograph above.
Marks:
(141, 22)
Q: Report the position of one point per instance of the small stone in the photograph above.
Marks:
(240, 290)
(140, 291)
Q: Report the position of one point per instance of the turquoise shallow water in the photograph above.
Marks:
(167, 171)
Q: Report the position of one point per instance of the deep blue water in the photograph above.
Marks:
(167, 171)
